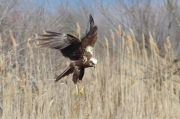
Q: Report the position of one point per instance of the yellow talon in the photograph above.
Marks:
(77, 92)
(82, 91)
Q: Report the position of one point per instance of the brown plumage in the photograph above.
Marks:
(80, 52)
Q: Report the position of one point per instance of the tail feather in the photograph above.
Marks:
(68, 71)
(55, 33)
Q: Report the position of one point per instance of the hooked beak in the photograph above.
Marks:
(94, 65)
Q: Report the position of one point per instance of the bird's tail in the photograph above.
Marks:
(68, 71)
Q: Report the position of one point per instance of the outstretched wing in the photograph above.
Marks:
(69, 45)
(89, 40)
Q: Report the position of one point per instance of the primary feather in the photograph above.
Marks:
(69, 45)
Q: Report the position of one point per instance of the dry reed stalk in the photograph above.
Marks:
(112, 37)
(145, 56)
(130, 43)
(50, 70)
(156, 50)
(123, 43)
(12, 40)
(153, 45)
(168, 43)
(44, 69)
(113, 42)
(43, 57)
(78, 30)
(10, 60)
(44, 32)
(107, 51)
(22, 81)
(31, 51)
(151, 41)
(37, 90)
(35, 45)
(38, 69)
(132, 35)
(0, 42)
(143, 41)
(172, 54)
(2, 63)
(128, 51)
(138, 49)
(37, 41)
(167, 52)
(11, 93)
(26, 68)
(118, 31)
(17, 67)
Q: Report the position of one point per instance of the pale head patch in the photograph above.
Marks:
(89, 49)
(84, 58)
(94, 61)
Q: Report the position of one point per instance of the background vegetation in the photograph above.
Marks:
(138, 72)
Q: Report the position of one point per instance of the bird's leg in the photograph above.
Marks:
(77, 91)
(81, 88)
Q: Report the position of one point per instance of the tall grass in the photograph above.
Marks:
(129, 81)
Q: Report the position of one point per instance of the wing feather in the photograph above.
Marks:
(69, 45)
(91, 37)
(91, 21)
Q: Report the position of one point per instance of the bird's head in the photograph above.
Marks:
(93, 62)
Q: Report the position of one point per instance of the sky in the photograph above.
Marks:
(51, 4)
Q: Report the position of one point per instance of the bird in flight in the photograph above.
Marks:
(80, 52)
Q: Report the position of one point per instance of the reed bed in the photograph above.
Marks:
(129, 82)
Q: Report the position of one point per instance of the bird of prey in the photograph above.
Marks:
(80, 52)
